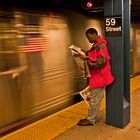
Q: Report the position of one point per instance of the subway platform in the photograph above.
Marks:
(62, 125)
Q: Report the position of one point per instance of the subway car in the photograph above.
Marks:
(38, 75)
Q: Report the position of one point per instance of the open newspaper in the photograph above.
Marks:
(76, 50)
(82, 64)
(83, 67)
(85, 94)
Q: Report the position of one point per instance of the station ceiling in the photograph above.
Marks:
(72, 4)
(98, 4)
(135, 6)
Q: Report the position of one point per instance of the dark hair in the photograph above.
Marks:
(91, 31)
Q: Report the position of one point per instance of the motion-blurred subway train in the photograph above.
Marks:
(38, 75)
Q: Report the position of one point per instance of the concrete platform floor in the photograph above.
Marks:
(101, 131)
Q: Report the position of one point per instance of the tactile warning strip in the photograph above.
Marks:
(51, 126)
(134, 83)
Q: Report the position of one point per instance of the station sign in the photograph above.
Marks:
(113, 26)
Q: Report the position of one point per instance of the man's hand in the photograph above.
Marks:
(83, 57)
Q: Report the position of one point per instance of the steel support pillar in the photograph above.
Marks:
(117, 21)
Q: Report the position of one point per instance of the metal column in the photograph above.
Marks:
(118, 94)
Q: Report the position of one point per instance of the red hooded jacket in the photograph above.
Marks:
(102, 76)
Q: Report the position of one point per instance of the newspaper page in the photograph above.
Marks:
(85, 94)
(82, 65)
(76, 50)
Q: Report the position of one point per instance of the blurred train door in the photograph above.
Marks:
(9, 65)
(43, 43)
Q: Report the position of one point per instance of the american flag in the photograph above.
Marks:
(33, 45)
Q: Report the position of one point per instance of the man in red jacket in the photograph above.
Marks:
(98, 60)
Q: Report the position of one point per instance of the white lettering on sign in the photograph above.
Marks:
(110, 21)
(111, 29)
(113, 26)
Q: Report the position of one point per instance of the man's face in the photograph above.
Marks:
(91, 37)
